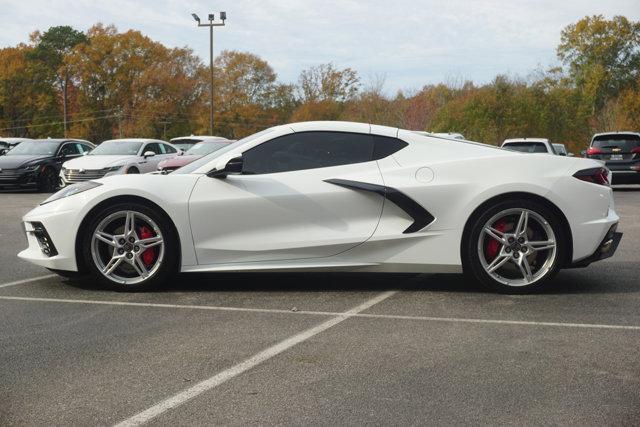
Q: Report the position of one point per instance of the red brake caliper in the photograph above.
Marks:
(493, 246)
(149, 255)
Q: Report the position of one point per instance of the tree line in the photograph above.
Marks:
(104, 84)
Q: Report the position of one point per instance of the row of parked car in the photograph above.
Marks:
(49, 163)
(619, 151)
(46, 164)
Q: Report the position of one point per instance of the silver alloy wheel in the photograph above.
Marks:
(525, 247)
(117, 250)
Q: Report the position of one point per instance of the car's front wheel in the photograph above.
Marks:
(130, 247)
(515, 246)
(48, 180)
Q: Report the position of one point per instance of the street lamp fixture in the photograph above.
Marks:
(211, 24)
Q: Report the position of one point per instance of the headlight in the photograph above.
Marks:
(71, 190)
(113, 168)
(30, 167)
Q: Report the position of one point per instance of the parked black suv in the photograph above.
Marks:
(621, 153)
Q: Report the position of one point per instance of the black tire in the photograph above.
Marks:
(48, 180)
(169, 265)
(133, 170)
(472, 265)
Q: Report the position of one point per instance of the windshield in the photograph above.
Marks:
(624, 143)
(526, 147)
(184, 146)
(229, 147)
(37, 148)
(204, 148)
(115, 148)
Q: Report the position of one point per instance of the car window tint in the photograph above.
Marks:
(622, 142)
(154, 146)
(527, 147)
(82, 148)
(69, 149)
(308, 150)
(169, 149)
(385, 146)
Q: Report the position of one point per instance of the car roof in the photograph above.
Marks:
(60, 140)
(202, 137)
(10, 140)
(136, 140)
(542, 140)
(615, 133)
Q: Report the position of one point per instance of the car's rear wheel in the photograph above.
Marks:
(515, 246)
(130, 247)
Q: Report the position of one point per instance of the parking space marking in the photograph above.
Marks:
(329, 313)
(33, 279)
(244, 366)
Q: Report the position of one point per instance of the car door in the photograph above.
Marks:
(67, 151)
(149, 164)
(282, 207)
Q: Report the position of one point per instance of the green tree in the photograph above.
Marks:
(50, 50)
(28, 106)
(603, 56)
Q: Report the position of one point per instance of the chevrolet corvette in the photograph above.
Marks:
(335, 196)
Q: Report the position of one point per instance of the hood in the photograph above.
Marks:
(97, 162)
(14, 162)
(178, 161)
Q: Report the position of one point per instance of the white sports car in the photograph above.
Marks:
(335, 196)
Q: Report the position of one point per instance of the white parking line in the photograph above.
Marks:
(329, 313)
(241, 367)
(20, 282)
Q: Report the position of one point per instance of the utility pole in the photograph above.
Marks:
(211, 24)
(164, 124)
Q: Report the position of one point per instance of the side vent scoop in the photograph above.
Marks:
(421, 217)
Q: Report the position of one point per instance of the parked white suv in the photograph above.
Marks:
(117, 156)
(529, 145)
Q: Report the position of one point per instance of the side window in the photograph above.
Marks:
(82, 148)
(69, 149)
(385, 146)
(308, 150)
(169, 149)
(154, 146)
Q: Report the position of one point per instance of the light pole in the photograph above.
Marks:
(223, 17)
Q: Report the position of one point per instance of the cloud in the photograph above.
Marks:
(410, 42)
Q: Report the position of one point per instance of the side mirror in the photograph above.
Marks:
(3, 151)
(227, 166)
(583, 153)
(148, 154)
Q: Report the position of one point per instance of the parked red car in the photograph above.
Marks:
(194, 153)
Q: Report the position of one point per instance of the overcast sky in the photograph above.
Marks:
(408, 42)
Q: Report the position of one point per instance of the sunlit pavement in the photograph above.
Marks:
(256, 348)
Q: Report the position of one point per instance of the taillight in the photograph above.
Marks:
(595, 175)
(636, 150)
(593, 151)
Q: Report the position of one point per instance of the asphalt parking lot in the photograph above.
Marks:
(320, 348)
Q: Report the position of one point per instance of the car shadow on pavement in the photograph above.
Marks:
(272, 282)
(590, 280)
